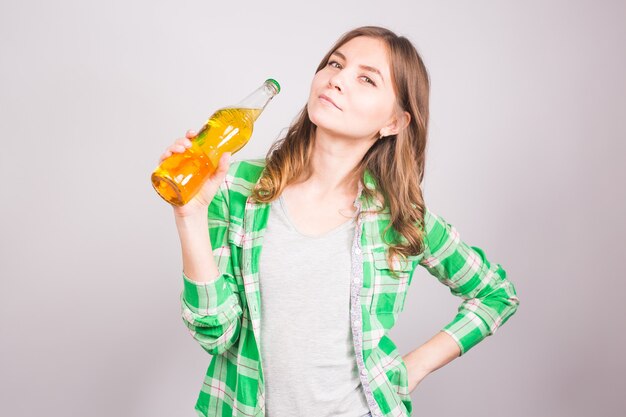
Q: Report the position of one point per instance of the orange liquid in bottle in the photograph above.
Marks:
(181, 176)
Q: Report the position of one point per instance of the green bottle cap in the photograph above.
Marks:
(273, 81)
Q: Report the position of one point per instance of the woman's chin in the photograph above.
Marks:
(323, 121)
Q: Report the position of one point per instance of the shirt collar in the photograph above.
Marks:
(368, 181)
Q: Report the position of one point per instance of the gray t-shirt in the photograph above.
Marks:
(307, 352)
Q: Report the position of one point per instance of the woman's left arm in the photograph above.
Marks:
(489, 298)
(432, 355)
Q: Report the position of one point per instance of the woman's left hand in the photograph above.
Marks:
(432, 355)
(416, 374)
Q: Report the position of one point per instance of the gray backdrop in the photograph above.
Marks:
(525, 158)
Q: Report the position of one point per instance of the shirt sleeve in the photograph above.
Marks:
(212, 310)
(489, 298)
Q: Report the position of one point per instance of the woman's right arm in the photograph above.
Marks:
(210, 301)
(198, 262)
(211, 306)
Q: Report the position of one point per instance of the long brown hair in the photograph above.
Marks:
(396, 162)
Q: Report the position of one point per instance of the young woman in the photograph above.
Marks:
(310, 251)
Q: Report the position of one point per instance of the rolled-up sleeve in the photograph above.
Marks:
(489, 298)
(212, 310)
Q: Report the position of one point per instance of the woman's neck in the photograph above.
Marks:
(332, 162)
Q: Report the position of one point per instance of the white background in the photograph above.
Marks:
(525, 155)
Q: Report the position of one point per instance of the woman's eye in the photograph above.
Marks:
(368, 80)
(336, 64)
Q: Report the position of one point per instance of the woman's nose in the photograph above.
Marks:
(336, 82)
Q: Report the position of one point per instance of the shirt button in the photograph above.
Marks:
(358, 250)
(356, 322)
(364, 372)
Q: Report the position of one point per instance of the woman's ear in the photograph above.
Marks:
(397, 124)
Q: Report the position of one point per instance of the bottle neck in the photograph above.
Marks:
(258, 99)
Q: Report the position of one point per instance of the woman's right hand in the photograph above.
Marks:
(199, 204)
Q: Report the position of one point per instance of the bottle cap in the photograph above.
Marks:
(273, 81)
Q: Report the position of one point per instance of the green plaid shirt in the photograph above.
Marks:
(223, 316)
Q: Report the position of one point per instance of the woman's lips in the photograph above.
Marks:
(327, 99)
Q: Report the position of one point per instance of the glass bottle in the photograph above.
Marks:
(180, 176)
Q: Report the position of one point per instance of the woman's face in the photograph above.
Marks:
(357, 80)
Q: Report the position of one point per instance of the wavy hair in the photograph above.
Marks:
(396, 162)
